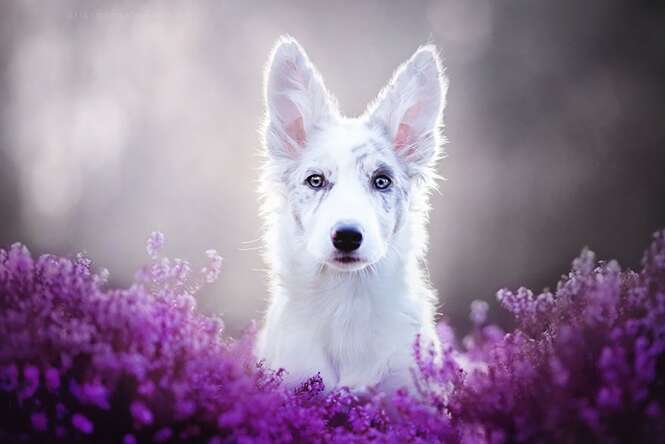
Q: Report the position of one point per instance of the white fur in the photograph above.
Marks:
(355, 323)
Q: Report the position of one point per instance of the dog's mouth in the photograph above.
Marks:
(347, 259)
(347, 262)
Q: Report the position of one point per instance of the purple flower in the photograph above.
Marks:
(479, 311)
(82, 424)
(30, 381)
(39, 421)
(163, 434)
(609, 397)
(154, 244)
(96, 394)
(8, 377)
(52, 379)
(141, 413)
(213, 269)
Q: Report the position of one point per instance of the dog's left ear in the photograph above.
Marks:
(296, 99)
(410, 107)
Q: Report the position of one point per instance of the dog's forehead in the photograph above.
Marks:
(349, 142)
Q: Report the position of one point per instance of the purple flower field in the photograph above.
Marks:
(81, 362)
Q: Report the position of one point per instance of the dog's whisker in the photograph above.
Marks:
(260, 247)
(253, 241)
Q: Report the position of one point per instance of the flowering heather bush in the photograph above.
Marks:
(79, 362)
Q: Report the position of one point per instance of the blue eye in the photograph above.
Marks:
(315, 181)
(382, 182)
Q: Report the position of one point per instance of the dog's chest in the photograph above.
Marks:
(362, 332)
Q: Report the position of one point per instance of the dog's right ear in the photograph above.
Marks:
(296, 99)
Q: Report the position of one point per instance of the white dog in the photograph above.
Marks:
(346, 203)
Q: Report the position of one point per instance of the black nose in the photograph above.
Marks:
(346, 238)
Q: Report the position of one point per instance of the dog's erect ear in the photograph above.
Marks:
(410, 107)
(296, 99)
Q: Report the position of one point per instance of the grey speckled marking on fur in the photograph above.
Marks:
(361, 152)
(361, 167)
(286, 178)
(401, 196)
(386, 200)
(378, 145)
(398, 218)
(360, 160)
(322, 195)
(383, 168)
(296, 217)
(381, 128)
(357, 148)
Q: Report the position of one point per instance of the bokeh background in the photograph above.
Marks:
(118, 118)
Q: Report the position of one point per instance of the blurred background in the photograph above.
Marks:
(118, 118)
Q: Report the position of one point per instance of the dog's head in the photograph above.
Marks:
(348, 183)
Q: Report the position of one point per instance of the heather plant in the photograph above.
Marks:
(83, 362)
(586, 363)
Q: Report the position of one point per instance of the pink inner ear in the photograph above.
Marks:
(405, 138)
(404, 141)
(296, 131)
(291, 119)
